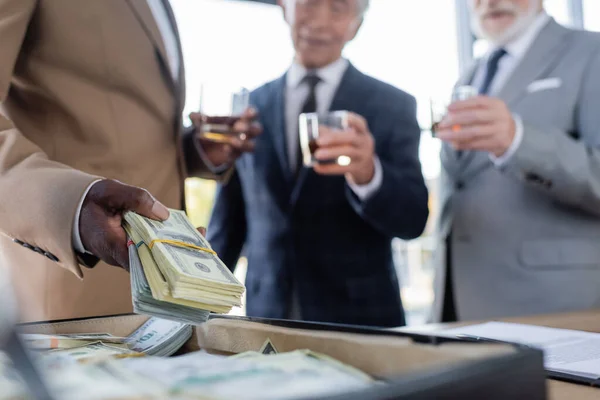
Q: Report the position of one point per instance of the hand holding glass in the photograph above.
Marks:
(221, 107)
(308, 125)
(439, 108)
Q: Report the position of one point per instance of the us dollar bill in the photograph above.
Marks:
(179, 266)
(144, 301)
(187, 264)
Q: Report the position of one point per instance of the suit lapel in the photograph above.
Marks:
(276, 115)
(347, 92)
(543, 54)
(144, 15)
(179, 85)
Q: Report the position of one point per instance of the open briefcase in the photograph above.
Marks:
(412, 366)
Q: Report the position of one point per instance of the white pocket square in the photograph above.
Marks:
(544, 84)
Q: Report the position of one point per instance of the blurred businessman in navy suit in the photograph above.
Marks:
(318, 241)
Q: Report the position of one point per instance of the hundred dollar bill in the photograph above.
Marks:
(99, 381)
(92, 350)
(185, 267)
(298, 374)
(160, 337)
(76, 381)
(145, 303)
(189, 265)
(160, 287)
(51, 342)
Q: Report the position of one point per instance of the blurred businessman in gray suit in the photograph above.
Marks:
(520, 196)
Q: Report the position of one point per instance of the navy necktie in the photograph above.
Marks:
(310, 106)
(491, 70)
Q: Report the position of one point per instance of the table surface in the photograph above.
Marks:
(557, 390)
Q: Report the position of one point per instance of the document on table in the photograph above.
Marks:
(565, 351)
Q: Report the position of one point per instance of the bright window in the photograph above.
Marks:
(591, 14)
(559, 9)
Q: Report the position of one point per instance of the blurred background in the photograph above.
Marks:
(435, 32)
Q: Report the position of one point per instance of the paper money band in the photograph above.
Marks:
(132, 243)
(181, 244)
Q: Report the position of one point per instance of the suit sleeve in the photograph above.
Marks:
(38, 197)
(195, 163)
(227, 228)
(400, 207)
(562, 165)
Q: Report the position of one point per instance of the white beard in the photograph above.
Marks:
(519, 26)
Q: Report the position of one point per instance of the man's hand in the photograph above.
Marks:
(480, 123)
(102, 214)
(356, 143)
(238, 140)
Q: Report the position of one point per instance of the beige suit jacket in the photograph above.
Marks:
(86, 93)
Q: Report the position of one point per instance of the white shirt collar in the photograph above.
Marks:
(519, 46)
(331, 74)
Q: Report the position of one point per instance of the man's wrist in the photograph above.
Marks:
(366, 174)
(215, 169)
(501, 160)
(364, 192)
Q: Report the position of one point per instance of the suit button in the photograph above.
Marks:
(17, 241)
(534, 178)
(460, 185)
(51, 256)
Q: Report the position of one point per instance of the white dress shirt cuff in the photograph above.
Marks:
(364, 192)
(219, 169)
(76, 240)
(514, 146)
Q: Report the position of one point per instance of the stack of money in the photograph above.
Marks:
(77, 381)
(248, 376)
(40, 342)
(90, 352)
(145, 300)
(159, 337)
(252, 375)
(175, 274)
(156, 337)
(298, 374)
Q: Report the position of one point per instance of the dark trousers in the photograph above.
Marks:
(449, 308)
